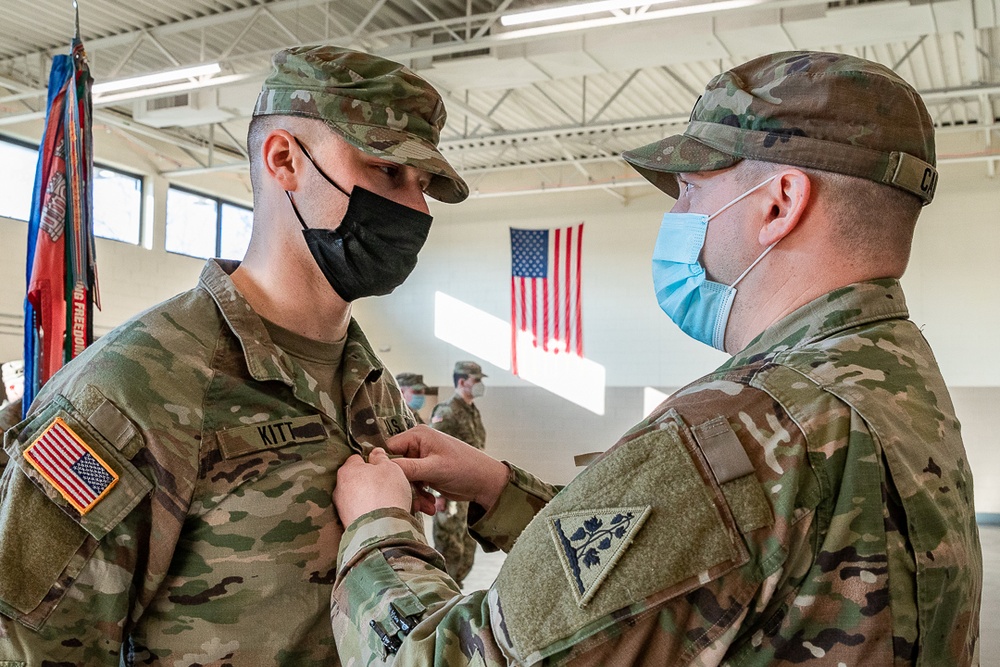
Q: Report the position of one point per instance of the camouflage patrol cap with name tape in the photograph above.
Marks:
(827, 111)
(376, 105)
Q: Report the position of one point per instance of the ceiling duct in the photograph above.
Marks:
(184, 109)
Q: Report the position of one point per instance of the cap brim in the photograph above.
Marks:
(659, 161)
(403, 148)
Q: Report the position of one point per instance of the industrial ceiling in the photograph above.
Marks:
(536, 107)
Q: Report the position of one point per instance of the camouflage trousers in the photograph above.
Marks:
(452, 539)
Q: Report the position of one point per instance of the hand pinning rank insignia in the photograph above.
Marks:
(590, 542)
(61, 457)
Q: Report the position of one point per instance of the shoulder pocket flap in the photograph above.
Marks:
(646, 523)
(243, 440)
(77, 467)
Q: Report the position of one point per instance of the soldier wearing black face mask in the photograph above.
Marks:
(213, 425)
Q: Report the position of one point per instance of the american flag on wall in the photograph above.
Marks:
(545, 290)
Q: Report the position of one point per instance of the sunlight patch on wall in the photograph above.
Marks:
(652, 398)
(577, 380)
(475, 331)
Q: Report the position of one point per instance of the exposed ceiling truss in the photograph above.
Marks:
(530, 108)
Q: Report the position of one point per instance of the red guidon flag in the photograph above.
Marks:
(66, 461)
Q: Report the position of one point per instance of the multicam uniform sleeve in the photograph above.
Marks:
(523, 497)
(390, 580)
(644, 559)
(77, 565)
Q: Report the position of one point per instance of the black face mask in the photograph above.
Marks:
(375, 247)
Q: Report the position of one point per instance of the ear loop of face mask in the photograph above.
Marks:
(321, 173)
(738, 199)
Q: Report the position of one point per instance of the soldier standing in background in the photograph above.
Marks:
(412, 386)
(167, 500)
(460, 419)
(809, 502)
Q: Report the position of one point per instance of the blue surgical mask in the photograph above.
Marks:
(700, 307)
(416, 401)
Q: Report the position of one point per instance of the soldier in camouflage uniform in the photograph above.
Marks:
(460, 419)
(808, 503)
(168, 499)
(412, 387)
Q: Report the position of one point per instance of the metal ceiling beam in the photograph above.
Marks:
(614, 95)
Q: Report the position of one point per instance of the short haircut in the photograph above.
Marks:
(260, 126)
(874, 222)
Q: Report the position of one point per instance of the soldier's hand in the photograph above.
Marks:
(365, 487)
(456, 470)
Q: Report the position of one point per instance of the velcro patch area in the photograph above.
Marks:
(71, 466)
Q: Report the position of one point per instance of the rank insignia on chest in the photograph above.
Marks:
(590, 543)
(71, 466)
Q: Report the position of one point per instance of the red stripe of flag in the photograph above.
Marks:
(513, 328)
(555, 286)
(568, 289)
(579, 271)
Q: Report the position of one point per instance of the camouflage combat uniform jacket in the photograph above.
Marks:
(217, 543)
(460, 420)
(809, 502)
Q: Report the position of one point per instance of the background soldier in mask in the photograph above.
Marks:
(460, 419)
(412, 386)
(168, 498)
(809, 502)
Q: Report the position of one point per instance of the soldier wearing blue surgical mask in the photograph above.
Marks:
(809, 502)
(412, 387)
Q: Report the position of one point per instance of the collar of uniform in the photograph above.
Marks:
(843, 308)
(264, 360)
(360, 363)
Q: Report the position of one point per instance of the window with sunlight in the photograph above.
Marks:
(17, 179)
(234, 231)
(191, 223)
(203, 226)
(117, 195)
(117, 205)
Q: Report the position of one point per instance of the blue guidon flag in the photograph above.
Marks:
(66, 461)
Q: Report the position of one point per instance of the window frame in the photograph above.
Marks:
(97, 165)
(219, 201)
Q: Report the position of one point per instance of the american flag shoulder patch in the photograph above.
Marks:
(71, 466)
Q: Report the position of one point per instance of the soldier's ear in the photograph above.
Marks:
(786, 201)
(282, 159)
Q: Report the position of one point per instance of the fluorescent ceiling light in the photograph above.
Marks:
(158, 77)
(521, 34)
(568, 11)
(171, 89)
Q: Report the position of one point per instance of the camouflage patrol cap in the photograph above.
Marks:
(826, 111)
(470, 368)
(376, 105)
(413, 380)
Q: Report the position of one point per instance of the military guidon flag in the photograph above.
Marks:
(72, 467)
